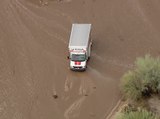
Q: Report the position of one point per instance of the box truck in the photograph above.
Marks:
(80, 46)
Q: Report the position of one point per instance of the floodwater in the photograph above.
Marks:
(35, 80)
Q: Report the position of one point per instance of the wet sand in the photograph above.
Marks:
(35, 80)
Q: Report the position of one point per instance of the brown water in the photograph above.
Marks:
(34, 45)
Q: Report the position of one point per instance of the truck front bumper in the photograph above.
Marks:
(78, 68)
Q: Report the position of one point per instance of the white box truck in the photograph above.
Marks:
(79, 46)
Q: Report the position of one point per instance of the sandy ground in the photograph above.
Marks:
(33, 48)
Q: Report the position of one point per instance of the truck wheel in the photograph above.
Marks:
(88, 58)
(91, 44)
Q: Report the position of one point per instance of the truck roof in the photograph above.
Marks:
(80, 35)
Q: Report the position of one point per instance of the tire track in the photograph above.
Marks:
(74, 110)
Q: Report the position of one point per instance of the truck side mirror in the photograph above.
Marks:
(67, 57)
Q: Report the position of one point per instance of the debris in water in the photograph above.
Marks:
(55, 96)
(94, 87)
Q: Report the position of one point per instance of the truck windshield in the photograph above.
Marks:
(78, 57)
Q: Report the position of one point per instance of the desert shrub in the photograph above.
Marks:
(143, 80)
(131, 86)
(141, 114)
(148, 70)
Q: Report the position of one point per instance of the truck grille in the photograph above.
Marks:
(77, 67)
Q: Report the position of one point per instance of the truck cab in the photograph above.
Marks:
(78, 60)
(79, 46)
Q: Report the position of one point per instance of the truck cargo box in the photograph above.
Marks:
(79, 35)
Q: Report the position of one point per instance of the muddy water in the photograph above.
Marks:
(35, 81)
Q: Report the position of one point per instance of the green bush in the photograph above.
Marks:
(143, 80)
(131, 86)
(142, 114)
(148, 69)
